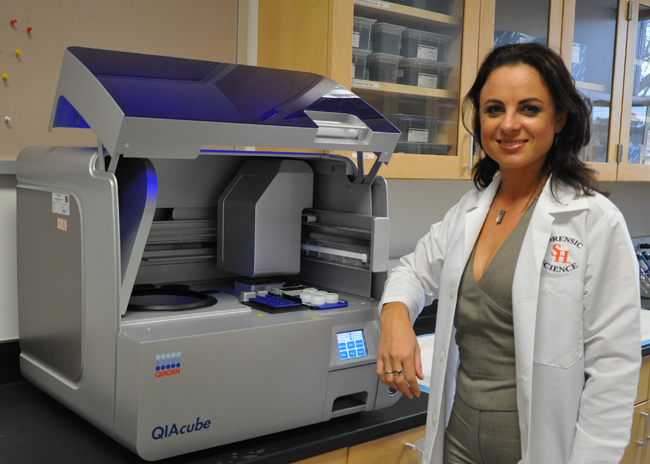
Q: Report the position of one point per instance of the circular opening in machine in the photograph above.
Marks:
(168, 298)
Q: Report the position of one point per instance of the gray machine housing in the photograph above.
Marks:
(91, 230)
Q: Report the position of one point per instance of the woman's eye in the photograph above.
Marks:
(492, 110)
(531, 109)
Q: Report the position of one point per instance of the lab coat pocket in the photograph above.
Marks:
(559, 326)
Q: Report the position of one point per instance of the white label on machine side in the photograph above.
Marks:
(427, 80)
(575, 53)
(373, 3)
(418, 135)
(427, 53)
(356, 38)
(374, 85)
(354, 69)
(61, 204)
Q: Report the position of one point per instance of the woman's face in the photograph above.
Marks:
(518, 118)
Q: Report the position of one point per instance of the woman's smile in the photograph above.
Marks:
(512, 144)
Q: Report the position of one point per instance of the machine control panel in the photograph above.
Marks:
(351, 345)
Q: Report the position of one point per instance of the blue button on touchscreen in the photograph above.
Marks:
(351, 345)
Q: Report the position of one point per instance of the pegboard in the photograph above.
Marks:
(35, 33)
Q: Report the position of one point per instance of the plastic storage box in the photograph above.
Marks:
(359, 58)
(361, 32)
(386, 38)
(422, 73)
(419, 135)
(382, 67)
(424, 45)
(420, 129)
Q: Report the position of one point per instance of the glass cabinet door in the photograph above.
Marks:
(406, 63)
(592, 66)
(517, 21)
(595, 53)
(636, 103)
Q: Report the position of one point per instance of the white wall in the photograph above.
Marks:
(414, 205)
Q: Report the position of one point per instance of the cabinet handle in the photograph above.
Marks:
(471, 153)
(645, 433)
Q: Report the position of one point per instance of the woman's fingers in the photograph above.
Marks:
(398, 356)
(418, 364)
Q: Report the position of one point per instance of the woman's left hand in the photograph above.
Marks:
(398, 357)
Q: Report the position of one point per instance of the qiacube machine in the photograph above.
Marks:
(174, 296)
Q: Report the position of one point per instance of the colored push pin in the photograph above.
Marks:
(7, 119)
(18, 52)
(29, 30)
(13, 22)
(5, 76)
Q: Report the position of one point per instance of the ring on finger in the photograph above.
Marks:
(398, 372)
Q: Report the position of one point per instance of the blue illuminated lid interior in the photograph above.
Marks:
(160, 87)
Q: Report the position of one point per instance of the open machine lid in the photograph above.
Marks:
(148, 106)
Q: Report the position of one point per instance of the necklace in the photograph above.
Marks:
(503, 212)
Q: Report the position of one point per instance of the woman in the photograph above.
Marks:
(537, 349)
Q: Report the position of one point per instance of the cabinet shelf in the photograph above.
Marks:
(590, 86)
(403, 89)
(394, 13)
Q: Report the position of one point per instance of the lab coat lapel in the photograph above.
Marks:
(475, 216)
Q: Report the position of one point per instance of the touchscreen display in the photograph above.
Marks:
(351, 345)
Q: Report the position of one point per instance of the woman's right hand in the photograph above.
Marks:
(399, 350)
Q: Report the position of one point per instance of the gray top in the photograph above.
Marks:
(484, 328)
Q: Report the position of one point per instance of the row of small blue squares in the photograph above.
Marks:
(353, 353)
(351, 345)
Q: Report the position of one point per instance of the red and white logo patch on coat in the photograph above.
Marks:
(562, 254)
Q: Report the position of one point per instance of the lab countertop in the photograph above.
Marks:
(645, 332)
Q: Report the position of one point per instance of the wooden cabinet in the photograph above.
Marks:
(638, 451)
(609, 56)
(387, 450)
(434, 144)
(609, 41)
(635, 149)
(319, 36)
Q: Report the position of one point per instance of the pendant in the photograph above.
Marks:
(500, 217)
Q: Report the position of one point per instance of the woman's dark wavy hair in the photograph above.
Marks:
(562, 160)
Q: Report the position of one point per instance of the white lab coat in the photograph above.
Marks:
(576, 319)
